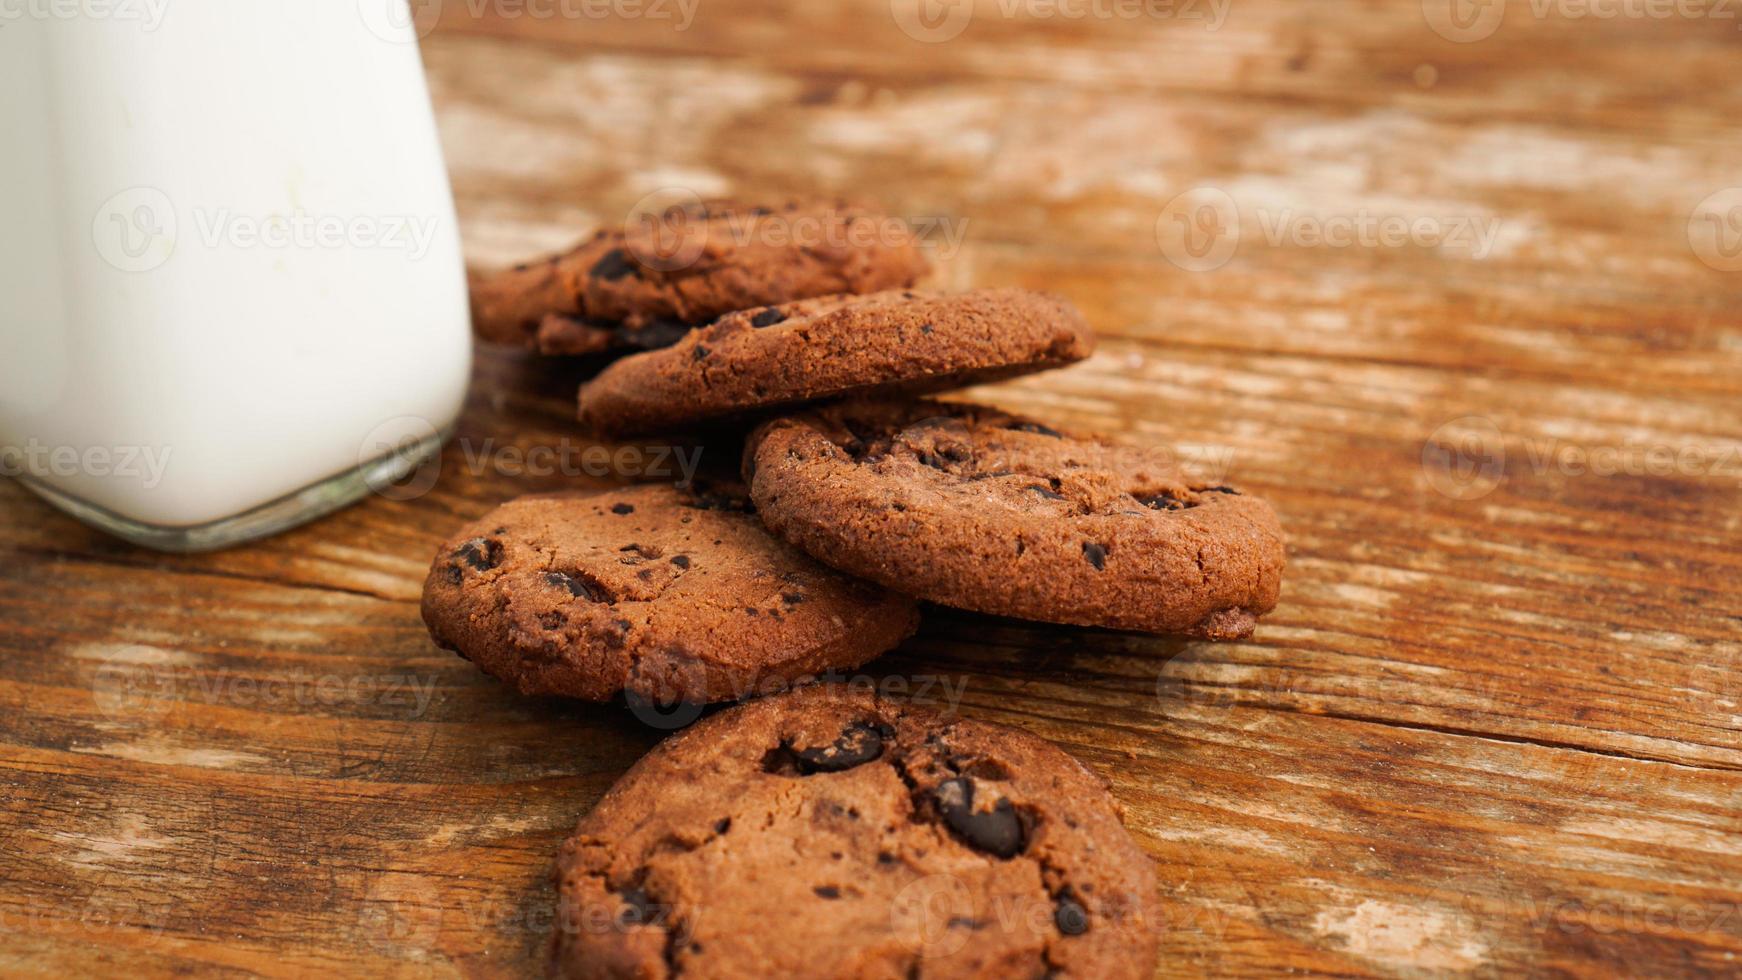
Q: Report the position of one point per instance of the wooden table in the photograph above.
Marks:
(1495, 726)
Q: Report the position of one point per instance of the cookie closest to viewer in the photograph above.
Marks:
(974, 508)
(902, 341)
(825, 832)
(646, 284)
(649, 591)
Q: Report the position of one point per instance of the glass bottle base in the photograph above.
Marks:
(291, 510)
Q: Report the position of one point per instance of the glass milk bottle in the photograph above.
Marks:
(231, 291)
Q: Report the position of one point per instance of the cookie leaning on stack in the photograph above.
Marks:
(644, 286)
(754, 361)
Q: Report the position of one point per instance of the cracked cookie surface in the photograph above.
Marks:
(901, 341)
(666, 594)
(972, 507)
(826, 832)
(646, 285)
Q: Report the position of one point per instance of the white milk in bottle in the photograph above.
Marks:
(231, 291)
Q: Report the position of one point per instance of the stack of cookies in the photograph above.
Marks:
(859, 496)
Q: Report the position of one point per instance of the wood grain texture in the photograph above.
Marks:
(1494, 728)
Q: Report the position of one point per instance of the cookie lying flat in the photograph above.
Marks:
(970, 507)
(649, 591)
(827, 833)
(646, 286)
(754, 360)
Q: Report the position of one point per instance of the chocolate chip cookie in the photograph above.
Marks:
(646, 285)
(825, 832)
(759, 359)
(651, 591)
(971, 507)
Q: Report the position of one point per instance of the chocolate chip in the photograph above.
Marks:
(997, 831)
(925, 328)
(577, 587)
(656, 333)
(859, 743)
(641, 908)
(704, 499)
(722, 825)
(482, 554)
(827, 891)
(1036, 428)
(1227, 490)
(1096, 554)
(792, 598)
(700, 353)
(768, 318)
(1070, 916)
(615, 265)
(1047, 492)
(681, 561)
(455, 576)
(1163, 501)
(622, 508)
